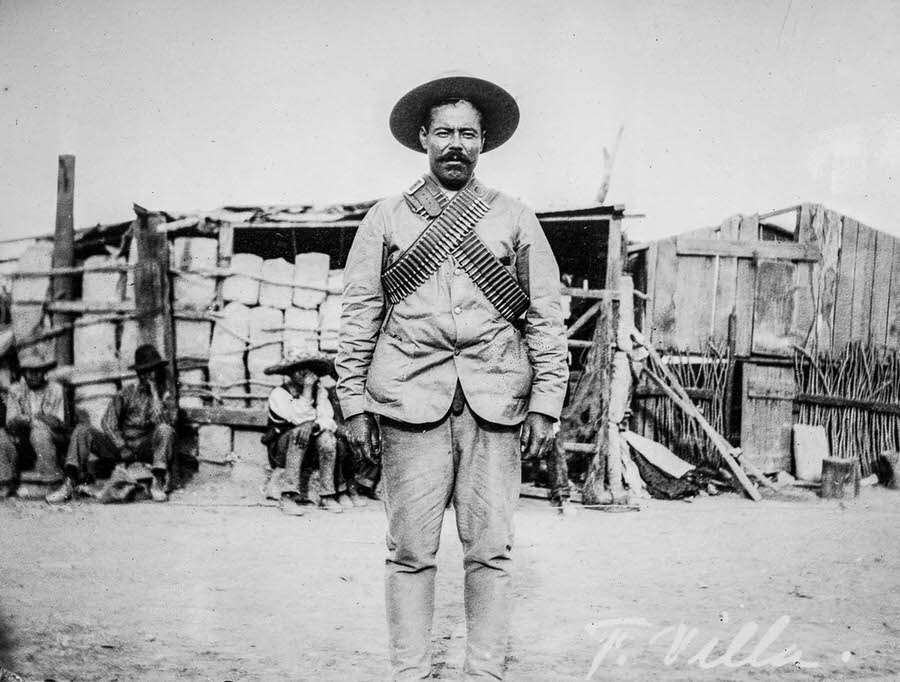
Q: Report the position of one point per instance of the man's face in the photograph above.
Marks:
(35, 378)
(145, 376)
(302, 376)
(453, 141)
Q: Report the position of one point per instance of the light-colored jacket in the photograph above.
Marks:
(403, 361)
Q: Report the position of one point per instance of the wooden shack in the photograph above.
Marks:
(748, 309)
(186, 307)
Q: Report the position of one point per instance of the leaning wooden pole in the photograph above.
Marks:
(64, 254)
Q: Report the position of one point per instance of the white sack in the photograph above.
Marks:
(243, 288)
(214, 443)
(94, 344)
(276, 295)
(310, 279)
(105, 285)
(194, 290)
(265, 340)
(301, 330)
(330, 323)
(192, 338)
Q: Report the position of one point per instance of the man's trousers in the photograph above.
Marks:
(477, 465)
(91, 450)
(289, 453)
(41, 442)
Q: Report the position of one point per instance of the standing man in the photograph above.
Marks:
(138, 426)
(36, 425)
(452, 333)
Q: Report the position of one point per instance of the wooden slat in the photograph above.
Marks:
(662, 326)
(694, 302)
(221, 415)
(885, 245)
(862, 284)
(650, 257)
(736, 248)
(843, 296)
(838, 401)
(726, 283)
(745, 289)
(773, 308)
(827, 225)
(766, 422)
(803, 321)
(893, 323)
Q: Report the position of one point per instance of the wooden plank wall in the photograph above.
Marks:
(852, 293)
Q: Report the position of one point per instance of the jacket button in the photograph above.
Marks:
(456, 351)
(457, 310)
(457, 271)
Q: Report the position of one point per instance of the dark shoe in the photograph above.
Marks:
(7, 490)
(61, 495)
(328, 503)
(291, 505)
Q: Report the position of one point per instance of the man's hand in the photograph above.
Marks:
(129, 456)
(537, 435)
(362, 435)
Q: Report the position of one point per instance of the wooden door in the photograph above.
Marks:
(767, 415)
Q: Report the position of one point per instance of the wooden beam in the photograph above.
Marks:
(599, 294)
(151, 287)
(734, 248)
(226, 416)
(721, 444)
(584, 319)
(64, 253)
(78, 307)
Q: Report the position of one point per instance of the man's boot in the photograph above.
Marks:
(7, 490)
(291, 504)
(329, 503)
(63, 494)
(158, 488)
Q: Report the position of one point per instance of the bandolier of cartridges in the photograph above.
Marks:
(453, 232)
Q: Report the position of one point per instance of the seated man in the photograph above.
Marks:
(301, 421)
(36, 426)
(138, 426)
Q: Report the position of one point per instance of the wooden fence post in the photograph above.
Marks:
(151, 290)
(64, 253)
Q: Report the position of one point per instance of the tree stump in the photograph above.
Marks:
(838, 476)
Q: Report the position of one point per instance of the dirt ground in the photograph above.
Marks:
(199, 590)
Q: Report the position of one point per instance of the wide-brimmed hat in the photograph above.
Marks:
(36, 360)
(319, 363)
(499, 111)
(147, 357)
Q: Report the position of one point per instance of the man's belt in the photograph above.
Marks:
(452, 231)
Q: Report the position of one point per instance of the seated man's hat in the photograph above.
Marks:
(147, 357)
(35, 358)
(499, 111)
(319, 363)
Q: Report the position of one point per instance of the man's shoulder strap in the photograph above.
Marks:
(426, 198)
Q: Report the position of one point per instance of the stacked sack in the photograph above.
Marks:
(194, 260)
(271, 307)
(95, 339)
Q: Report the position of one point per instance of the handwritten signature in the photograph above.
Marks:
(617, 633)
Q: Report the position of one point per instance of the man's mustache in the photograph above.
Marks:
(455, 156)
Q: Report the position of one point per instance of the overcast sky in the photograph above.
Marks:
(728, 107)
